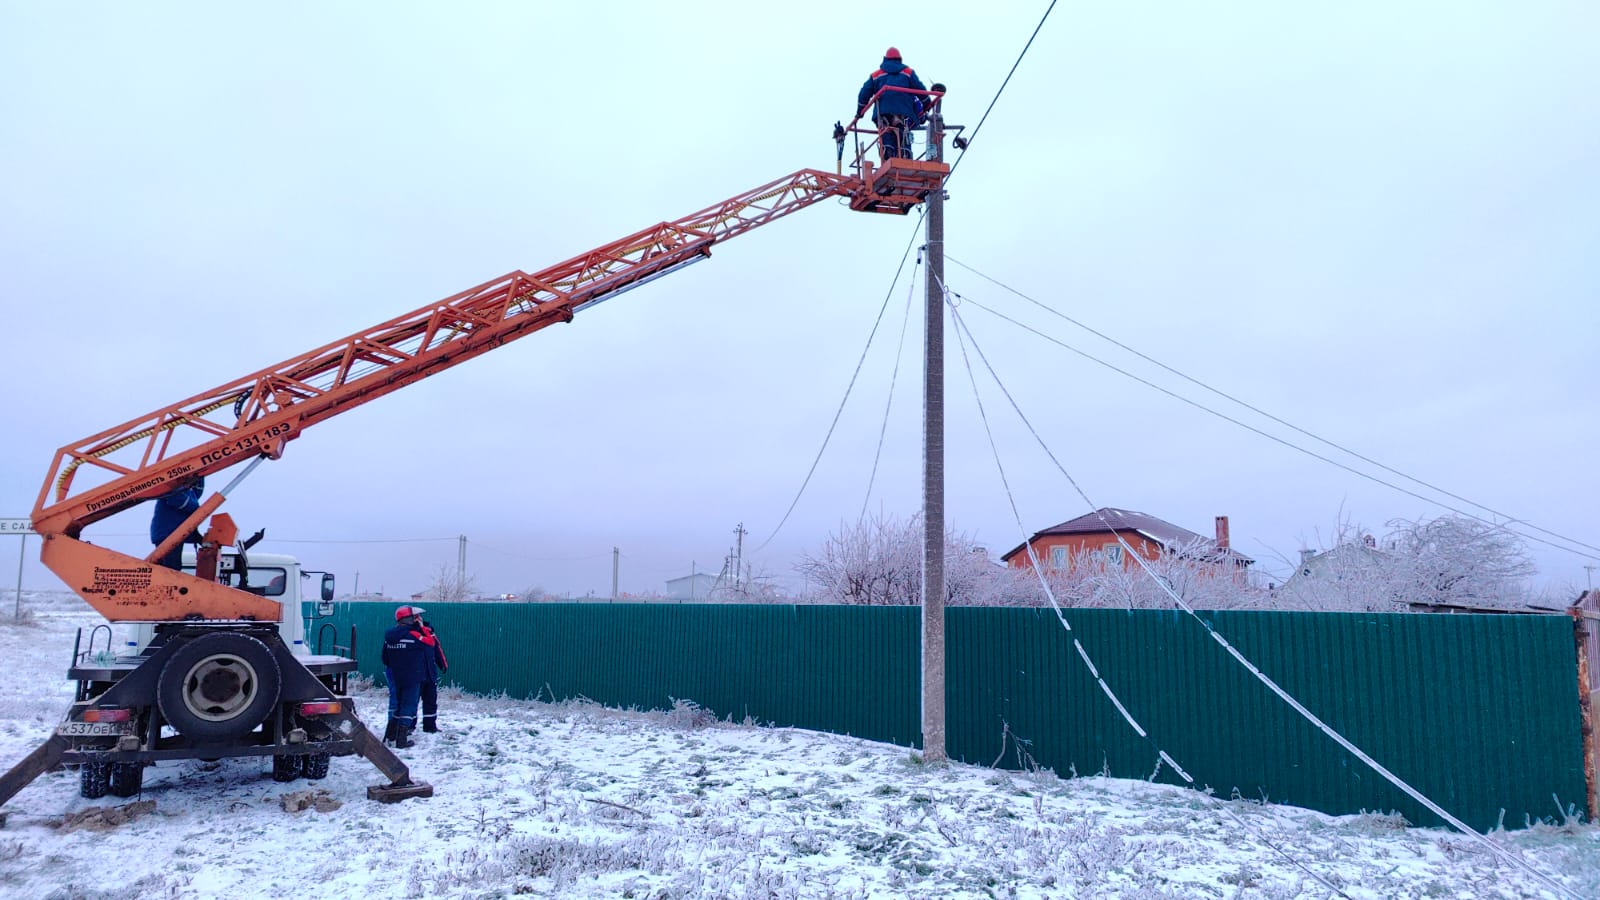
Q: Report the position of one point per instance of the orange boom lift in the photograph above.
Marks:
(258, 414)
(216, 653)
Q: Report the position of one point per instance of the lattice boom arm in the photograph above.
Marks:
(259, 413)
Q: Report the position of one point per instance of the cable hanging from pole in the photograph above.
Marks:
(962, 338)
(848, 388)
(1232, 651)
(894, 377)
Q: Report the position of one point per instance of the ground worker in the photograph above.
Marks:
(895, 112)
(405, 661)
(437, 666)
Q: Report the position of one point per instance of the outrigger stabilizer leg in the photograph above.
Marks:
(48, 756)
(400, 786)
(43, 759)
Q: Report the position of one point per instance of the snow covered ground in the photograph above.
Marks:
(577, 801)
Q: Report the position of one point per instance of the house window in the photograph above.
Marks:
(1058, 557)
(1113, 554)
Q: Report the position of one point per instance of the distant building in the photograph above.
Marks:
(1352, 561)
(691, 587)
(1097, 534)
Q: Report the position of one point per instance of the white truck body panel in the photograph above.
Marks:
(278, 574)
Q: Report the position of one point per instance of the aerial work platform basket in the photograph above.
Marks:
(892, 183)
(896, 185)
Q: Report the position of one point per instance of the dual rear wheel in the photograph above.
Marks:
(216, 688)
(314, 766)
(121, 779)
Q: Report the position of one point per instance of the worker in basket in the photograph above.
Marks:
(896, 111)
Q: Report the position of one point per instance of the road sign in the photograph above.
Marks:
(21, 528)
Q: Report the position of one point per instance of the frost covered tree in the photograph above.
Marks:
(1090, 580)
(878, 562)
(875, 562)
(1458, 560)
(754, 585)
(1451, 560)
(449, 585)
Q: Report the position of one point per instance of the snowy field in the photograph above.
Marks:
(577, 801)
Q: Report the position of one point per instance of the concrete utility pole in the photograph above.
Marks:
(616, 565)
(738, 564)
(461, 559)
(933, 589)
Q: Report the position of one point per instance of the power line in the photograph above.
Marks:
(894, 377)
(996, 99)
(848, 388)
(452, 540)
(1227, 396)
(1272, 437)
(525, 558)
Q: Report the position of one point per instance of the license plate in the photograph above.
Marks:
(95, 729)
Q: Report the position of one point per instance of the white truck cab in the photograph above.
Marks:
(276, 576)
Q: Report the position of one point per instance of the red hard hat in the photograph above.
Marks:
(891, 53)
(406, 612)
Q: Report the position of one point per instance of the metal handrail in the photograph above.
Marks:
(876, 132)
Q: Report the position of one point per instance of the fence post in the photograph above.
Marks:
(1581, 640)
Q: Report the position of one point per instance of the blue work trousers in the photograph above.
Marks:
(430, 705)
(405, 696)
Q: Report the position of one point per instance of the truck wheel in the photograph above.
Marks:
(94, 779)
(126, 779)
(218, 687)
(287, 768)
(317, 766)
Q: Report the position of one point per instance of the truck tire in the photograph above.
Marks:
(317, 766)
(218, 687)
(126, 779)
(287, 767)
(94, 779)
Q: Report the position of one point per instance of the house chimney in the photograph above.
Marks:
(1222, 532)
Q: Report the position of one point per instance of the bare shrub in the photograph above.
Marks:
(689, 715)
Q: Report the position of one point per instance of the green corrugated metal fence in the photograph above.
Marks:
(1479, 712)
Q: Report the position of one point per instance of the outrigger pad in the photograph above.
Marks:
(394, 793)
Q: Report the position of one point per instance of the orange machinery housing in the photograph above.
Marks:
(258, 414)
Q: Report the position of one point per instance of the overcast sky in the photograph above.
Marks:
(1376, 221)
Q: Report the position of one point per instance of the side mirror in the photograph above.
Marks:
(327, 590)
